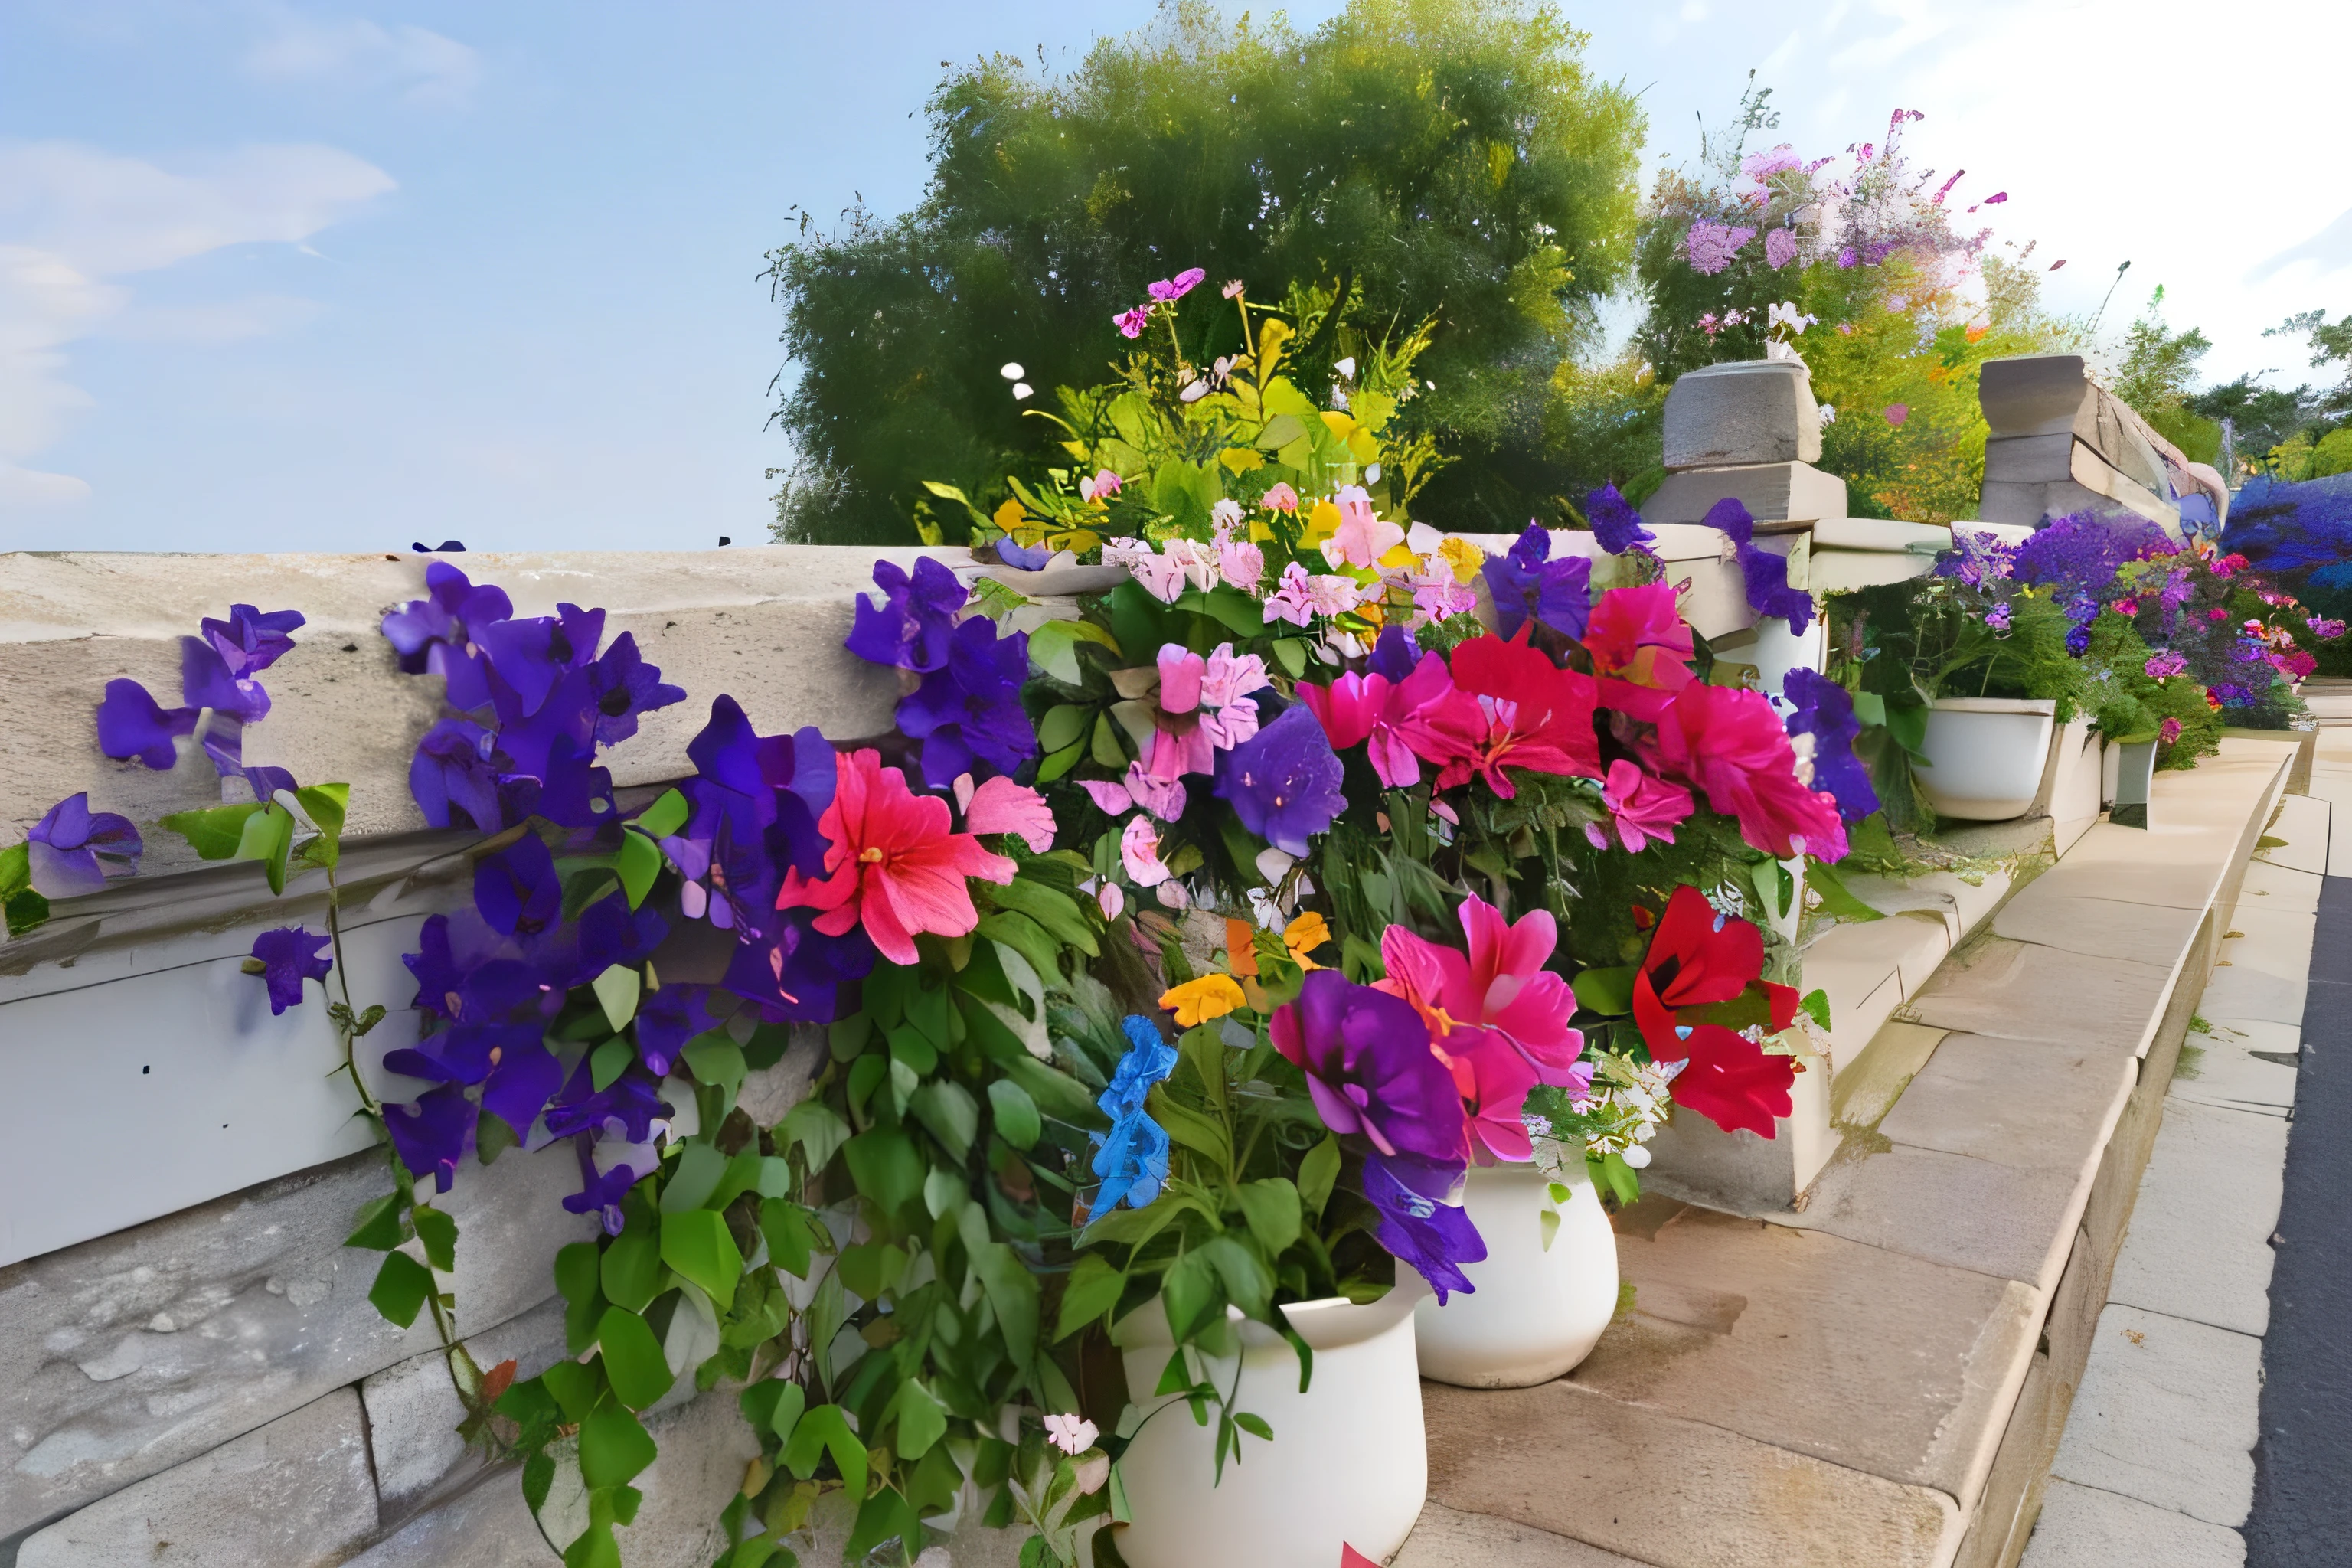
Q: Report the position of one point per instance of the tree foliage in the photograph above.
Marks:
(1446, 157)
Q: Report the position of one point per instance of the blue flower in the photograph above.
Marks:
(1527, 581)
(1765, 575)
(72, 849)
(284, 959)
(1030, 558)
(1824, 709)
(1132, 1157)
(1417, 1226)
(430, 1136)
(912, 626)
(1284, 782)
(968, 715)
(1616, 526)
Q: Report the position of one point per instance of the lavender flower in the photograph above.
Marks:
(1765, 574)
(1370, 1071)
(1527, 581)
(1616, 526)
(1284, 782)
(968, 715)
(1417, 1226)
(912, 626)
(284, 959)
(1824, 709)
(1711, 246)
(248, 641)
(73, 849)
(1976, 558)
(1030, 558)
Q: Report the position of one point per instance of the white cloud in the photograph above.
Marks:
(423, 67)
(74, 218)
(2330, 248)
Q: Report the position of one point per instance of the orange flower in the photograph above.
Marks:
(1197, 1001)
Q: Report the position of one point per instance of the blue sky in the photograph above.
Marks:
(283, 276)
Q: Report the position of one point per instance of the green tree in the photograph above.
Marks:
(1446, 157)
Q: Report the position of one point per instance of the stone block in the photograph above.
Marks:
(1692, 1158)
(2033, 395)
(1947, 1209)
(2198, 1246)
(2029, 459)
(1772, 492)
(1834, 571)
(2242, 1064)
(294, 1494)
(2275, 887)
(2153, 934)
(2083, 1527)
(2272, 942)
(2019, 1469)
(1882, 534)
(2302, 822)
(1854, 1355)
(1744, 411)
(2022, 991)
(1447, 1538)
(2166, 1414)
(413, 1412)
(2029, 1104)
(2240, 990)
(131, 1354)
(1867, 1086)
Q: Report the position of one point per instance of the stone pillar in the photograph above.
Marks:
(2061, 443)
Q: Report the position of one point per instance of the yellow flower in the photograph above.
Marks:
(1464, 557)
(1009, 516)
(1198, 1001)
(1400, 555)
(1321, 524)
(1303, 936)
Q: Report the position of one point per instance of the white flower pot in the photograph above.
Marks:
(1348, 1461)
(1537, 1311)
(1985, 755)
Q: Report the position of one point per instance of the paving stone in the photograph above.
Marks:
(2083, 1527)
(1867, 1087)
(2199, 1245)
(1770, 491)
(2093, 869)
(2237, 1064)
(2302, 822)
(2241, 987)
(127, 1355)
(1853, 1354)
(1447, 1538)
(2024, 991)
(2027, 1103)
(2275, 941)
(2272, 886)
(1948, 1209)
(2100, 927)
(2030, 459)
(2166, 1414)
(1743, 411)
(413, 1412)
(293, 1494)
(1558, 1457)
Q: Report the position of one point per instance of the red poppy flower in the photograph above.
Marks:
(1699, 963)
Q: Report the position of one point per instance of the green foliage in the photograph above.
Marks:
(1438, 157)
(2159, 364)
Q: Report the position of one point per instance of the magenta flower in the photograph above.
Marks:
(1640, 807)
(1370, 1070)
(1372, 708)
(1175, 289)
(1130, 323)
(1896, 413)
(2169, 729)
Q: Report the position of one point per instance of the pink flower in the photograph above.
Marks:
(1176, 287)
(1197, 561)
(1112, 898)
(1104, 485)
(1730, 744)
(1436, 591)
(1071, 1434)
(1332, 595)
(1291, 600)
(894, 865)
(1642, 808)
(2218, 613)
(1362, 538)
(1241, 564)
(1000, 805)
(1226, 681)
(2126, 607)
(1163, 576)
(2169, 729)
(1233, 289)
(1780, 247)
(1495, 1095)
(1358, 708)
(1711, 246)
(1139, 850)
(1641, 648)
(1510, 705)
(2166, 663)
(1163, 798)
(1130, 323)
(1896, 413)
(1280, 497)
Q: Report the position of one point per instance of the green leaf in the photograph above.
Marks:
(1012, 1295)
(817, 1128)
(16, 869)
(400, 1289)
(1063, 726)
(1816, 1004)
(948, 1108)
(697, 1244)
(614, 1447)
(617, 990)
(1291, 653)
(1057, 1094)
(576, 1387)
(438, 1232)
(1104, 746)
(1255, 1426)
(1056, 912)
(595, 1548)
(608, 1061)
(576, 1276)
(640, 864)
(634, 1363)
(269, 838)
(921, 1421)
(1249, 1284)
(378, 1225)
(1318, 1173)
(1837, 898)
(632, 1269)
(665, 816)
(1190, 1292)
(1094, 1289)
(700, 1168)
(887, 1167)
(821, 1431)
(1056, 764)
(1027, 938)
(1202, 1133)
(1015, 1114)
(782, 1224)
(23, 912)
(213, 834)
(538, 1478)
(1609, 992)
(716, 1060)
(1271, 1208)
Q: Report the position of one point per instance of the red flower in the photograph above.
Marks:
(1640, 650)
(1510, 706)
(1700, 964)
(893, 867)
(1729, 744)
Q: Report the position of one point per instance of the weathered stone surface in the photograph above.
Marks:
(2026, 992)
(2168, 1413)
(1771, 492)
(2241, 990)
(2083, 1527)
(2025, 1103)
(295, 1494)
(1557, 1456)
(1852, 1354)
(1867, 1087)
(127, 1355)
(2030, 459)
(2198, 1246)
(1743, 411)
(413, 1411)
(2276, 942)
(2240, 1064)
(1881, 534)
(2019, 1469)
(2274, 887)
(1447, 1538)
(2155, 934)
(1949, 1209)
(2303, 822)
(1852, 961)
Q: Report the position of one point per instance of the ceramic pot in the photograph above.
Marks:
(1985, 755)
(1538, 1309)
(1348, 1462)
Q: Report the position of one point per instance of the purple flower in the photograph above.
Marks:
(2232, 695)
(2081, 553)
(72, 849)
(1176, 287)
(1284, 780)
(518, 890)
(2165, 663)
(621, 686)
(1825, 711)
(1711, 246)
(248, 641)
(431, 1135)
(1976, 558)
(1765, 574)
(1030, 559)
(969, 713)
(446, 547)
(454, 777)
(1780, 247)
(1395, 655)
(666, 1020)
(1616, 526)
(1369, 1069)
(755, 802)
(1998, 617)
(131, 724)
(912, 626)
(532, 657)
(451, 612)
(1527, 582)
(1417, 1225)
(284, 959)
(796, 971)
(626, 1108)
(600, 1193)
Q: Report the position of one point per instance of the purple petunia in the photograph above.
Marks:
(1370, 1071)
(1528, 583)
(1418, 1225)
(1824, 709)
(1616, 526)
(1284, 782)
(518, 891)
(1395, 655)
(1765, 575)
(621, 686)
(285, 958)
(454, 777)
(968, 715)
(1029, 558)
(430, 1136)
(249, 641)
(220, 694)
(911, 627)
(73, 849)
(600, 1193)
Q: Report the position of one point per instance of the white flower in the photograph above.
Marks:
(1011, 370)
(1829, 413)
(1071, 1434)
(1225, 516)
(1786, 314)
(1021, 390)
(1347, 367)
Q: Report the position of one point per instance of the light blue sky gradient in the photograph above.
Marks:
(283, 277)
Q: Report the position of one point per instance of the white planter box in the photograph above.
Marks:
(1537, 1311)
(1985, 755)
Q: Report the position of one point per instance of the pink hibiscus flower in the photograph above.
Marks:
(1730, 744)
